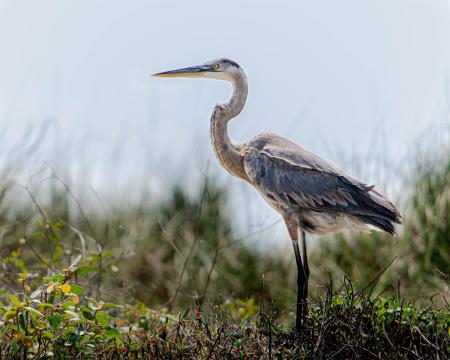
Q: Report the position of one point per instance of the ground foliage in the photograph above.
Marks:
(53, 311)
(170, 279)
(58, 320)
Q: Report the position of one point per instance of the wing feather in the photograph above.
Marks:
(296, 178)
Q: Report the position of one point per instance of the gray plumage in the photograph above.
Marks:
(311, 194)
(294, 180)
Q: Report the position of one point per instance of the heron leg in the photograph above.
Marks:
(305, 269)
(302, 280)
(302, 284)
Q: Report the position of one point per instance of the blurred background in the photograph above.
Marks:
(95, 142)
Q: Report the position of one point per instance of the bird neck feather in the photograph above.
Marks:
(226, 151)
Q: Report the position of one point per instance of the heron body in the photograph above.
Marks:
(311, 194)
(323, 199)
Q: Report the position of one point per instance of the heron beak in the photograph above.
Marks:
(193, 71)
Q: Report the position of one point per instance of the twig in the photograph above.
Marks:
(319, 340)
(375, 279)
(337, 352)
(39, 256)
(208, 278)
(219, 333)
(48, 227)
(71, 194)
(240, 240)
(387, 337)
(82, 239)
(424, 338)
(191, 250)
(22, 219)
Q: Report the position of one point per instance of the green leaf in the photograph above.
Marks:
(51, 298)
(57, 277)
(33, 311)
(55, 321)
(47, 335)
(112, 306)
(22, 321)
(57, 225)
(13, 345)
(75, 289)
(11, 314)
(67, 304)
(74, 338)
(102, 318)
(112, 332)
(24, 275)
(38, 235)
(58, 250)
(84, 269)
(75, 316)
(45, 305)
(40, 223)
(39, 325)
(15, 300)
(87, 313)
(35, 294)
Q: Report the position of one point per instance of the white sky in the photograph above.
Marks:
(339, 77)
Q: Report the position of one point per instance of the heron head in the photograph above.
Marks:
(221, 69)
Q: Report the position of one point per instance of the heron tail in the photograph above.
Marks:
(383, 214)
(380, 223)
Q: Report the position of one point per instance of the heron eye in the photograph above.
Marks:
(215, 66)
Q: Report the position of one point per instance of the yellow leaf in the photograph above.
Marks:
(76, 299)
(27, 288)
(65, 288)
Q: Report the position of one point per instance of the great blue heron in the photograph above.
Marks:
(312, 195)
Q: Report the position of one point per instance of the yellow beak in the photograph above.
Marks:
(193, 71)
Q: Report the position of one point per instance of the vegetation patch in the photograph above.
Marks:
(172, 280)
(58, 320)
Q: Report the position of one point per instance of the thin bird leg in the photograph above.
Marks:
(301, 284)
(305, 271)
(301, 276)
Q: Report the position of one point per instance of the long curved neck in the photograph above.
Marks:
(226, 151)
